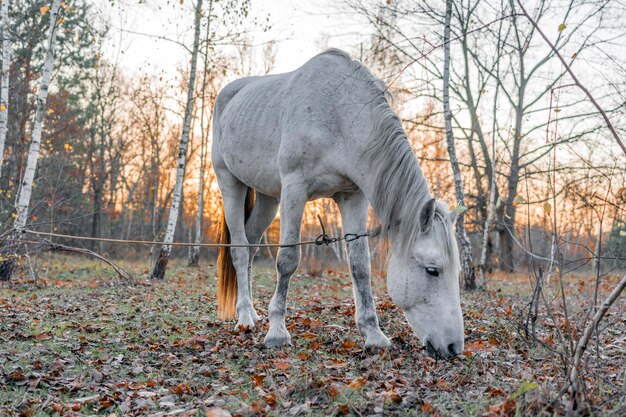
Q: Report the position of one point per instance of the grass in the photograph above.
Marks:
(84, 342)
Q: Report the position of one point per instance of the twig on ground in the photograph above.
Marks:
(47, 245)
(533, 307)
(581, 346)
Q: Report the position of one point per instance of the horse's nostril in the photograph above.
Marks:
(430, 349)
(451, 353)
(454, 349)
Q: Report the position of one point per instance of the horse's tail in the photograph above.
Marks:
(226, 273)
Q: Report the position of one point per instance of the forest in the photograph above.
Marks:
(110, 209)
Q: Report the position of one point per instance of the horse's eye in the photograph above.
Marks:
(433, 272)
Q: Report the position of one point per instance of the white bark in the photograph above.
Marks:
(195, 251)
(466, 248)
(26, 188)
(159, 269)
(4, 90)
(491, 209)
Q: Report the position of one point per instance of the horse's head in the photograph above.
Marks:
(424, 281)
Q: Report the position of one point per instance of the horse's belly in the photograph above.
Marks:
(254, 167)
(259, 169)
(327, 184)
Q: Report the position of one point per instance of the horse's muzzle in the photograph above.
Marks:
(452, 351)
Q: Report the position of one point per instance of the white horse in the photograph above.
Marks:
(327, 130)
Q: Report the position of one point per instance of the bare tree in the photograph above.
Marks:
(4, 89)
(568, 68)
(498, 51)
(194, 255)
(491, 209)
(102, 113)
(269, 57)
(26, 187)
(466, 248)
(164, 254)
(493, 189)
(23, 197)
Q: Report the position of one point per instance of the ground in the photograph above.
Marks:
(81, 341)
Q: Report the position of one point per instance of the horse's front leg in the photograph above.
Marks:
(292, 201)
(353, 209)
(262, 215)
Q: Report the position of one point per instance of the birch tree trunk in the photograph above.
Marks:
(491, 209)
(26, 187)
(164, 255)
(467, 269)
(194, 256)
(4, 90)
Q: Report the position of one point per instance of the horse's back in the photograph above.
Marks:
(272, 126)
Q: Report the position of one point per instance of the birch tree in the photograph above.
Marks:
(466, 248)
(164, 254)
(23, 196)
(26, 187)
(194, 256)
(491, 210)
(4, 89)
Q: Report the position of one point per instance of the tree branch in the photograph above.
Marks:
(575, 79)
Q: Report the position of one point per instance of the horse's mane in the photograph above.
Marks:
(401, 189)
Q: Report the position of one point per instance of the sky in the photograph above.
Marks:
(145, 35)
(301, 29)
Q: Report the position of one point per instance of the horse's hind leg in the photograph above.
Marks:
(353, 209)
(292, 201)
(261, 217)
(234, 196)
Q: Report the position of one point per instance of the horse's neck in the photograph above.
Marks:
(407, 196)
(362, 176)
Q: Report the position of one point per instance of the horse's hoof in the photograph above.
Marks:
(246, 322)
(377, 341)
(255, 316)
(277, 339)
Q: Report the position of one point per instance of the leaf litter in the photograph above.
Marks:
(81, 344)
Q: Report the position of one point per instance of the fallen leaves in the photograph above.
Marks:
(181, 389)
(427, 408)
(506, 408)
(308, 335)
(44, 336)
(348, 344)
(494, 392)
(217, 412)
(160, 350)
(333, 391)
(357, 382)
(393, 396)
(281, 365)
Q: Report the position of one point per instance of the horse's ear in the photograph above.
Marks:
(453, 216)
(427, 215)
